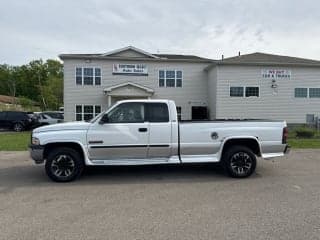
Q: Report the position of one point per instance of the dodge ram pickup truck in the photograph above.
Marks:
(138, 132)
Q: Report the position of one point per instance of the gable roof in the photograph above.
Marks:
(129, 48)
(148, 56)
(265, 58)
(109, 89)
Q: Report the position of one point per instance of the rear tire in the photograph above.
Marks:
(17, 127)
(64, 164)
(239, 161)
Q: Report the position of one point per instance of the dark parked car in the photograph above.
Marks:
(55, 114)
(17, 121)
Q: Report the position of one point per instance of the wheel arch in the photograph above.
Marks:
(248, 141)
(69, 144)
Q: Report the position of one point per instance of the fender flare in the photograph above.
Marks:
(83, 147)
(230, 138)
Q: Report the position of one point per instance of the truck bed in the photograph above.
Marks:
(208, 137)
(230, 120)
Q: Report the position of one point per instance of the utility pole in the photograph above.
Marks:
(41, 91)
(12, 88)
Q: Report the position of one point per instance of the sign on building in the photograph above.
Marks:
(130, 69)
(276, 73)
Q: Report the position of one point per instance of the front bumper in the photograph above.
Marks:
(287, 149)
(36, 153)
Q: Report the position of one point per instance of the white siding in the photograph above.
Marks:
(271, 105)
(193, 91)
(212, 93)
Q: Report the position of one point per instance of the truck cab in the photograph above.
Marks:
(134, 130)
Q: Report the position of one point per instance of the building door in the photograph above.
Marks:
(199, 113)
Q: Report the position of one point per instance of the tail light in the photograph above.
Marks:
(285, 135)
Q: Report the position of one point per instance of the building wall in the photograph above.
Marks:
(212, 93)
(279, 104)
(193, 91)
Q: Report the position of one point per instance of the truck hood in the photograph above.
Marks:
(63, 127)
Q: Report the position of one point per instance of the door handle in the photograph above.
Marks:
(143, 129)
(96, 142)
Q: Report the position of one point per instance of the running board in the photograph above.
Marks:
(128, 162)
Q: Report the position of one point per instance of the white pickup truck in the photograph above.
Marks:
(138, 132)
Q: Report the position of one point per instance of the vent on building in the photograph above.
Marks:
(310, 119)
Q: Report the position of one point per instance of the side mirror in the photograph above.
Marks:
(104, 119)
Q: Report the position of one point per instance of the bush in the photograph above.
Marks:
(25, 102)
(304, 132)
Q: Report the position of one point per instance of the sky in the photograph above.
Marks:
(33, 29)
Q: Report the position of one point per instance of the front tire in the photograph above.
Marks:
(64, 165)
(239, 161)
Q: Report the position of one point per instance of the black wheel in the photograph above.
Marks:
(64, 164)
(239, 161)
(17, 127)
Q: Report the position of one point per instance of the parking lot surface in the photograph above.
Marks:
(280, 201)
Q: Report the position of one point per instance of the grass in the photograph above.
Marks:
(19, 142)
(14, 141)
(304, 143)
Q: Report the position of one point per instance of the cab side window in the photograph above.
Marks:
(127, 113)
(157, 112)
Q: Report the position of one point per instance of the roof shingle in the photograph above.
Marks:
(258, 57)
(181, 56)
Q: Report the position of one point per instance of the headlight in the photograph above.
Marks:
(35, 141)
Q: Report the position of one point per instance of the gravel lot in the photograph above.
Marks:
(280, 201)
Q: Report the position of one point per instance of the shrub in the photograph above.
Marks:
(304, 132)
(25, 102)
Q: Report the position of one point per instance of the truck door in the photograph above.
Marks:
(157, 114)
(123, 135)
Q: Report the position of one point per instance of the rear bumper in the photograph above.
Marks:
(287, 149)
(36, 153)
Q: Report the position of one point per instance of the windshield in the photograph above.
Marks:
(100, 114)
(96, 117)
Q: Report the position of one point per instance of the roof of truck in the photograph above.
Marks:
(146, 100)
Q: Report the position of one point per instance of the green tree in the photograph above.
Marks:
(53, 92)
(39, 81)
(4, 77)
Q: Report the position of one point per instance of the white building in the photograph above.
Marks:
(255, 85)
